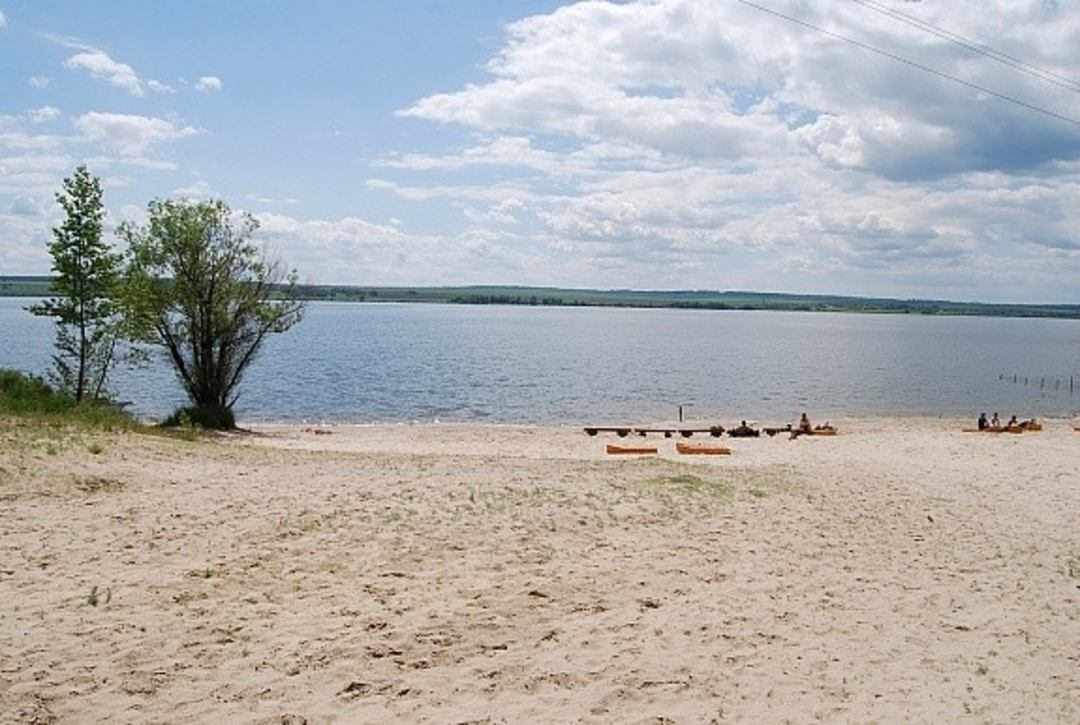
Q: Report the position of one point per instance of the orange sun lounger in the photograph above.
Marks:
(615, 449)
(692, 449)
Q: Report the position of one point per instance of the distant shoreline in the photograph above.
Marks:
(39, 286)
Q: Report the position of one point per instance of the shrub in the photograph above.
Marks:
(28, 395)
(22, 393)
(216, 417)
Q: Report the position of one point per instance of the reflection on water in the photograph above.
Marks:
(383, 362)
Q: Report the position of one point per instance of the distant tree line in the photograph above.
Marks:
(531, 300)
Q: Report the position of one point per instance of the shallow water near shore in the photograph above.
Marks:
(396, 363)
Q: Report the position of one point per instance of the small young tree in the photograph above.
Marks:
(86, 274)
(198, 287)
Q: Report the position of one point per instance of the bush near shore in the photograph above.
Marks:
(29, 396)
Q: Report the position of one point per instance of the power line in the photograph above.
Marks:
(920, 66)
(974, 46)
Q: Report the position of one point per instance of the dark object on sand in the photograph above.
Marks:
(743, 431)
(715, 431)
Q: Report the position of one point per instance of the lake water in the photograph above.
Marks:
(389, 362)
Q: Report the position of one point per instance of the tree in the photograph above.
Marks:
(198, 287)
(86, 274)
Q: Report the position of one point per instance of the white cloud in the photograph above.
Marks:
(140, 162)
(33, 174)
(25, 206)
(689, 143)
(130, 135)
(353, 250)
(28, 210)
(38, 81)
(486, 192)
(101, 66)
(258, 198)
(25, 247)
(714, 81)
(28, 142)
(116, 182)
(43, 114)
(3, 20)
(130, 213)
(506, 212)
(159, 87)
(208, 83)
(198, 189)
(499, 151)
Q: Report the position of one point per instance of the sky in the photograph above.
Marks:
(668, 144)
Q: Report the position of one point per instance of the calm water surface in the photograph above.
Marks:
(387, 362)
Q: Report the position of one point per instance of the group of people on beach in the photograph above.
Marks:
(994, 423)
(802, 427)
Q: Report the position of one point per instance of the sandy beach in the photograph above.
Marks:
(901, 571)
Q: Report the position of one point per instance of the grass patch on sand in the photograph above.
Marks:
(29, 397)
(98, 484)
(723, 483)
(681, 490)
(98, 598)
(693, 484)
(1072, 567)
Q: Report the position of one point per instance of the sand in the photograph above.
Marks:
(902, 571)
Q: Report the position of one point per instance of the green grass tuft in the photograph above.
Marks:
(95, 598)
(28, 396)
(689, 483)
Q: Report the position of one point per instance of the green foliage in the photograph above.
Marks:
(193, 417)
(87, 272)
(200, 289)
(20, 393)
(29, 396)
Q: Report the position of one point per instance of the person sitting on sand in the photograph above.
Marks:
(1013, 421)
(983, 422)
(803, 427)
(743, 431)
(995, 422)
